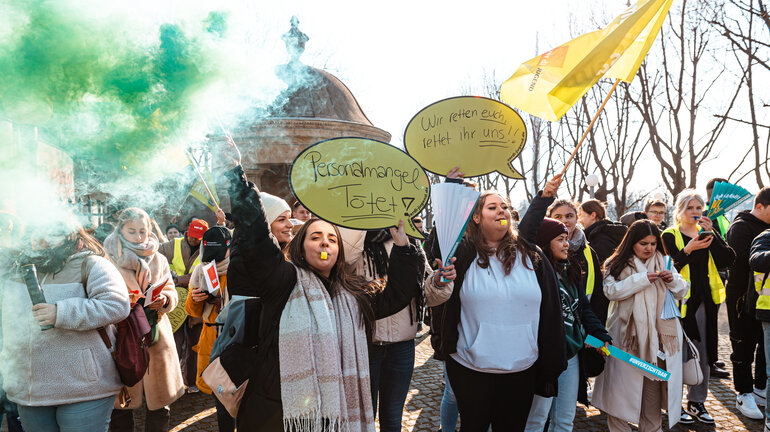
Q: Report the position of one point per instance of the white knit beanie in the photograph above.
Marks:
(274, 206)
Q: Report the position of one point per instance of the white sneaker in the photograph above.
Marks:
(747, 406)
(759, 396)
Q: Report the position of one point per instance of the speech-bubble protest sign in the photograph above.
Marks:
(360, 183)
(477, 134)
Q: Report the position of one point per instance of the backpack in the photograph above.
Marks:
(234, 353)
(130, 353)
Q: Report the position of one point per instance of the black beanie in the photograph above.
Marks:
(215, 243)
(550, 229)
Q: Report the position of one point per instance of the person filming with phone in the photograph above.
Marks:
(697, 254)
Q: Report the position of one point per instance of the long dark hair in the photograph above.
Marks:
(342, 274)
(53, 259)
(574, 270)
(509, 244)
(623, 255)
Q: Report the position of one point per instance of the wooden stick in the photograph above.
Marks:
(596, 116)
(200, 176)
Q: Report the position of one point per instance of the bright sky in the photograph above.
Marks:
(399, 58)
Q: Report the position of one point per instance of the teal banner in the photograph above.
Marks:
(653, 372)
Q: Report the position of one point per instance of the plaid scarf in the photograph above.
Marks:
(323, 360)
(141, 259)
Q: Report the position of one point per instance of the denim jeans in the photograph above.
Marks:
(89, 416)
(391, 367)
(449, 411)
(561, 409)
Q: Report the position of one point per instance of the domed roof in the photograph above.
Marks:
(315, 93)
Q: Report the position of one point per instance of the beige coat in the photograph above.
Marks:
(618, 389)
(402, 325)
(162, 384)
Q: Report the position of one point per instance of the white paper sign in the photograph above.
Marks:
(211, 277)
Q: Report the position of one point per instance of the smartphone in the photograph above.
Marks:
(704, 234)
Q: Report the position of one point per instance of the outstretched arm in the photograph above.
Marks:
(257, 264)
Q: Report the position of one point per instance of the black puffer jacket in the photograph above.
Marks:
(759, 261)
(604, 236)
(744, 229)
(258, 268)
(552, 356)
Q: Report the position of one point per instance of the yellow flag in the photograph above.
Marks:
(199, 192)
(548, 85)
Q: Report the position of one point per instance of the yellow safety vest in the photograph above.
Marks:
(591, 276)
(723, 224)
(762, 285)
(715, 282)
(177, 263)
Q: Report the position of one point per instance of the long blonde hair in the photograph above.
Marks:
(682, 200)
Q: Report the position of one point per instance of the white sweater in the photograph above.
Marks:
(68, 363)
(499, 318)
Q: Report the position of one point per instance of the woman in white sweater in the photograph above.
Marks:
(62, 378)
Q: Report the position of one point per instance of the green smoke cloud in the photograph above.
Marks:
(104, 95)
(123, 89)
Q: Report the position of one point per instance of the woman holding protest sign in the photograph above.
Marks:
(316, 316)
(697, 255)
(53, 361)
(637, 281)
(579, 319)
(133, 248)
(501, 328)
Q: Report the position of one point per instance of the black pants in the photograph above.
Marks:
(502, 400)
(154, 421)
(225, 421)
(186, 338)
(748, 346)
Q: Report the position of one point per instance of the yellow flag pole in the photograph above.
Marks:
(200, 176)
(585, 134)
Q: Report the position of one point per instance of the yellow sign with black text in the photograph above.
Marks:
(477, 134)
(360, 183)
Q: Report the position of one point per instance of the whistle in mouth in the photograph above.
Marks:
(324, 255)
(503, 222)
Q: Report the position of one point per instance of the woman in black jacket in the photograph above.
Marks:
(311, 304)
(501, 332)
(579, 320)
(602, 234)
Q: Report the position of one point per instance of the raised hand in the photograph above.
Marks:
(399, 235)
(230, 153)
(444, 274)
(552, 186)
(455, 173)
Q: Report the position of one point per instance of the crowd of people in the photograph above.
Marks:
(340, 310)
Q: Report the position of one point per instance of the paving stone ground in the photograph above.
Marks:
(195, 412)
